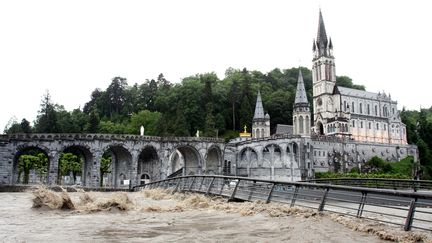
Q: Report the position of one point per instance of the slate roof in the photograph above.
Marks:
(284, 129)
(259, 110)
(301, 97)
(357, 93)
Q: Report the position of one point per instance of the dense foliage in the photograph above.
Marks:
(203, 102)
(378, 168)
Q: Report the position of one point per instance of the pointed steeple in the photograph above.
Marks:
(322, 35)
(322, 42)
(259, 110)
(301, 97)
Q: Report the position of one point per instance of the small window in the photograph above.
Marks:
(361, 108)
(368, 109)
(377, 126)
(376, 110)
(352, 107)
(385, 127)
(353, 123)
(370, 126)
(361, 124)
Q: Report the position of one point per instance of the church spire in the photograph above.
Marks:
(301, 97)
(322, 35)
(259, 110)
(322, 42)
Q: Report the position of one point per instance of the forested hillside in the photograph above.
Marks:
(200, 102)
(215, 107)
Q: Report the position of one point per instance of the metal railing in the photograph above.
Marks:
(396, 184)
(405, 209)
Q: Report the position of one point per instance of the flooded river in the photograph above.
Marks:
(160, 217)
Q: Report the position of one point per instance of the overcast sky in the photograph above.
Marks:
(72, 47)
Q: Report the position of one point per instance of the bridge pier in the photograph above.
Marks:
(53, 157)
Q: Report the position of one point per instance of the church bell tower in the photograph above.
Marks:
(324, 79)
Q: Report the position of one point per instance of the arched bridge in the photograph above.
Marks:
(134, 157)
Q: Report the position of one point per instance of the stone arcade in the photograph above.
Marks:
(134, 157)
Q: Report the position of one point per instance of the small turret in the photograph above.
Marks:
(301, 114)
(260, 122)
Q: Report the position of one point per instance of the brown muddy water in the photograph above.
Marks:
(158, 216)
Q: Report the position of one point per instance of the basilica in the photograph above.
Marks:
(347, 128)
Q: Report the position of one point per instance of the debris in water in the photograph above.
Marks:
(381, 230)
(52, 200)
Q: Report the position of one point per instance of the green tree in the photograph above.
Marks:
(25, 126)
(70, 163)
(345, 81)
(150, 121)
(105, 166)
(116, 95)
(46, 121)
(92, 125)
(25, 164)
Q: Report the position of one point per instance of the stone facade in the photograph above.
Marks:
(340, 111)
(134, 157)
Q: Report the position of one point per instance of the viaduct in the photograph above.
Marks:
(134, 157)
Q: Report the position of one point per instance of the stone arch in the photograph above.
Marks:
(320, 129)
(213, 160)
(34, 177)
(148, 160)
(295, 148)
(272, 155)
(248, 158)
(144, 178)
(84, 153)
(187, 158)
(121, 165)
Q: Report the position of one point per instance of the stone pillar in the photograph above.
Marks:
(134, 169)
(95, 175)
(271, 150)
(53, 157)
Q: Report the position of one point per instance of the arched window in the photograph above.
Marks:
(377, 126)
(361, 108)
(376, 110)
(257, 133)
(352, 107)
(353, 123)
(307, 125)
(368, 109)
(295, 125)
(262, 133)
(301, 125)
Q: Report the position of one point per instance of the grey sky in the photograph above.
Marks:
(73, 47)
